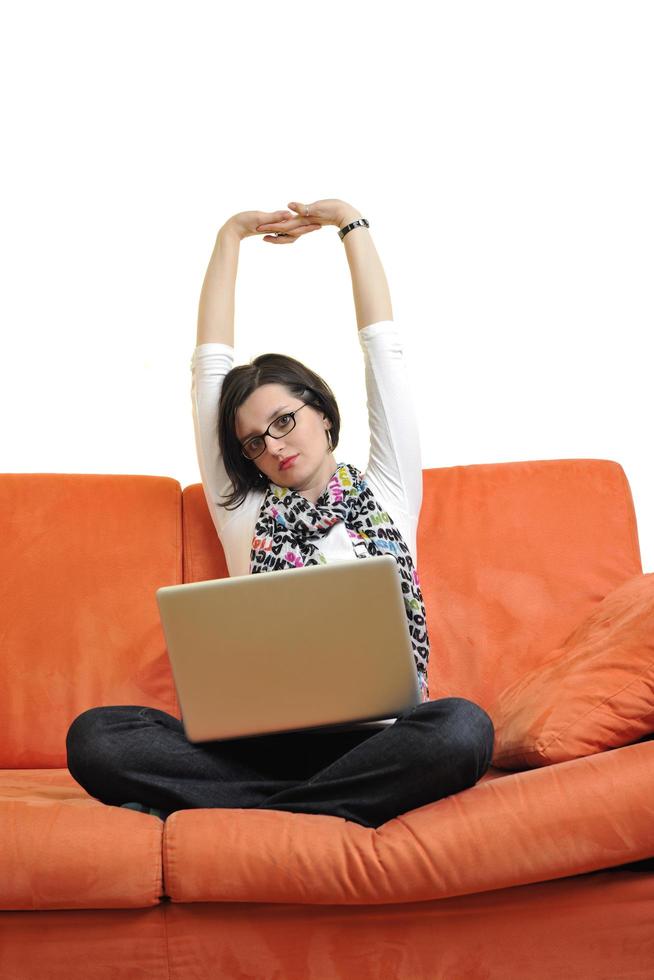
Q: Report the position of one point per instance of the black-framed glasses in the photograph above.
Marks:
(281, 426)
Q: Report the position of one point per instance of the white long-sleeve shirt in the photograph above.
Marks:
(393, 471)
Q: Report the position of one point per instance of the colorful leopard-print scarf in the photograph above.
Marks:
(287, 519)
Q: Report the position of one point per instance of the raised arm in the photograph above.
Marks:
(372, 298)
(216, 306)
(212, 359)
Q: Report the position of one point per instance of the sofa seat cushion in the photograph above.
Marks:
(513, 829)
(62, 849)
(594, 692)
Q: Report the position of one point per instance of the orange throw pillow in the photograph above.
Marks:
(594, 692)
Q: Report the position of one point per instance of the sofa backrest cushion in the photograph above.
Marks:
(512, 557)
(82, 557)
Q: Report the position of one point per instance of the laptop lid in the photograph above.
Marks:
(295, 649)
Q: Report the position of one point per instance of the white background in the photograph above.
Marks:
(503, 153)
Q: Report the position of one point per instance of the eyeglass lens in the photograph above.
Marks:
(278, 428)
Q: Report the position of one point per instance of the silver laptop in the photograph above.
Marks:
(292, 650)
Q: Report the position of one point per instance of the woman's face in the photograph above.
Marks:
(313, 465)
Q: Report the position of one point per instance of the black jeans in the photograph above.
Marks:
(129, 753)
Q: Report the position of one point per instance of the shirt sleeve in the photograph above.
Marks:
(209, 365)
(394, 467)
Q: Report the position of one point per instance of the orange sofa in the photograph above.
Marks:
(531, 576)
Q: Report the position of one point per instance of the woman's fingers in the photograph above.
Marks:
(302, 209)
(273, 218)
(283, 224)
(289, 229)
(286, 238)
(325, 211)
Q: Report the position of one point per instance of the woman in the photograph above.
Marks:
(265, 435)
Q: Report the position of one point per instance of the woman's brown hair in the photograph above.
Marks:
(238, 385)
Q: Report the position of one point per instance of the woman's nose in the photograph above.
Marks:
(275, 446)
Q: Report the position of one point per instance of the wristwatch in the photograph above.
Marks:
(342, 232)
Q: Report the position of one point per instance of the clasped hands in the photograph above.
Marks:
(290, 224)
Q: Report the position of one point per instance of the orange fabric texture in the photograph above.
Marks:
(597, 925)
(511, 558)
(596, 692)
(61, 849)
(82, 556)
(590, 927)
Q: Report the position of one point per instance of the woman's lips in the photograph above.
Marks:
(289, 462)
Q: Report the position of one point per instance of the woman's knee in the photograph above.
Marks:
(476, 733)
(470, 729)
(84, 739)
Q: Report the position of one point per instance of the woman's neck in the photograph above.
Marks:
(318, 482)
